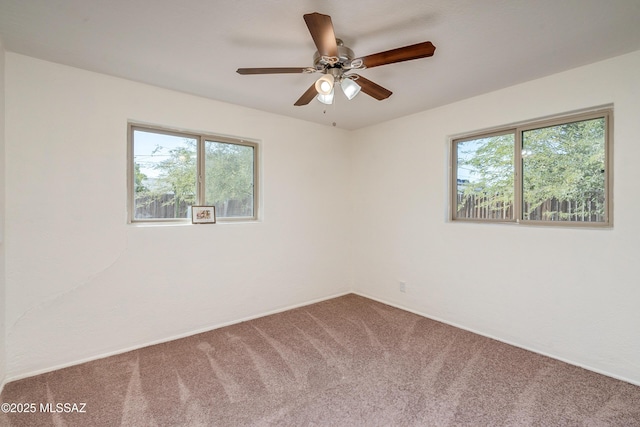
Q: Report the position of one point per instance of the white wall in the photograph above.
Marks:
(81, 282)
(569, 293)
(2, 216)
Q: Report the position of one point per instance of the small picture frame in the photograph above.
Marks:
(203, 214)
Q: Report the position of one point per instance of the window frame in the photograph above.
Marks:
(201, 138)
(517, 130)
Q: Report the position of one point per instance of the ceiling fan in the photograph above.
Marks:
(336, 62)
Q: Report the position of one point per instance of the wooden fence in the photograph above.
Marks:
(475, 207)
(161, 206)
(164, 207)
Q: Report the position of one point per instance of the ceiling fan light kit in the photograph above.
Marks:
(335, 61)
(324, 85)
(325, 99)
(350, 88)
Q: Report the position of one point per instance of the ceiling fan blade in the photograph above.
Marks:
(321, 29)
(282, 70)
(406, 53)
(308, 96)
(372, 89)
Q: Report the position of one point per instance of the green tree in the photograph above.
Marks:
(491, 183)
(229, 178)
(177, 178)
(139, 178)
(563, 171)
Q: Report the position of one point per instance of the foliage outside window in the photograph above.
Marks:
(172, 171)
(551, 172)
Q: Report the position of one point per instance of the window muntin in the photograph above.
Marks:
(171, 171)
(558, 172)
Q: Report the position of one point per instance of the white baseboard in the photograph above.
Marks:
(280, 310)
(533, 350)
(166, 339)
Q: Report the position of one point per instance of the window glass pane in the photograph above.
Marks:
(564, 172)
(164, 175)
(485, 173)
(229, 180)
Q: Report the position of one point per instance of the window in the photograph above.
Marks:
(548, 172)
(170, 171)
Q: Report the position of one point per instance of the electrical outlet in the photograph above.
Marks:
(403, 287)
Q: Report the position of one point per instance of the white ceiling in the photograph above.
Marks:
(195, 46)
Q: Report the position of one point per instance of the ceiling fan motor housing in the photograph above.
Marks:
(345, 55)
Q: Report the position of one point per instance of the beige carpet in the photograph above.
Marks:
(348, 361)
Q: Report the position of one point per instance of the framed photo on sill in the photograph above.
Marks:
(203, 214)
